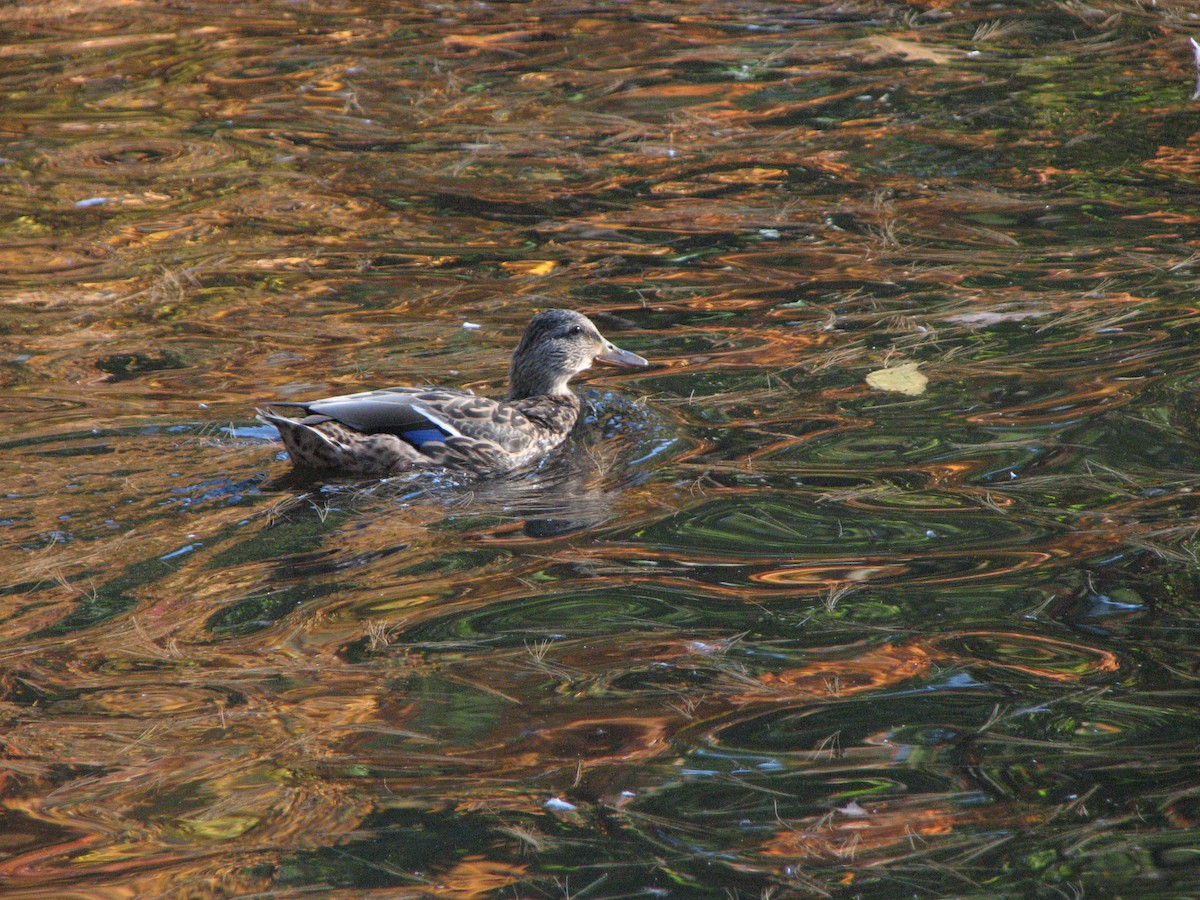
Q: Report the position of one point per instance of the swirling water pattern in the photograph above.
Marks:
(762, 629)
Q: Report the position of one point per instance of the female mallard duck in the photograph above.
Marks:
(383, 432)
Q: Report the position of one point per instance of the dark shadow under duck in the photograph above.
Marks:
(388, 431)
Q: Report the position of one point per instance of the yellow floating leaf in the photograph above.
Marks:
(904, 379)
(530, 266)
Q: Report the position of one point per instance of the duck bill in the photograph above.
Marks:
(615, 356)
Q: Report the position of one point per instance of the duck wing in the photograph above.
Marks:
(422, 415)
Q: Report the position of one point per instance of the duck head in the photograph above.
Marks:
(557, 345)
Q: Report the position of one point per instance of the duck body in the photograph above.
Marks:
(388, 431)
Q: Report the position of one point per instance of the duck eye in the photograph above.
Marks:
(575, 329)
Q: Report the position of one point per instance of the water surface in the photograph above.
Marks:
(763, 629)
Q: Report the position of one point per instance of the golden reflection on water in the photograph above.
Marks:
(763, 627)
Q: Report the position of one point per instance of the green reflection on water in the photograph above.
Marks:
(762, 629)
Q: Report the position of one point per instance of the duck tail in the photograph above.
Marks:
(307, 446)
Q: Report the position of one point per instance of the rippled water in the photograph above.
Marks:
(763, 629)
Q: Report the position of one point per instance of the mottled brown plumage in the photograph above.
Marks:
(383, 432)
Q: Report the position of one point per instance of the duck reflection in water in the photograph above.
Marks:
(566, 492)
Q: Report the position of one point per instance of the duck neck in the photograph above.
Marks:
(528, 391)
(529, 378)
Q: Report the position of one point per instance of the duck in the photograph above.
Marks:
(392, 430)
